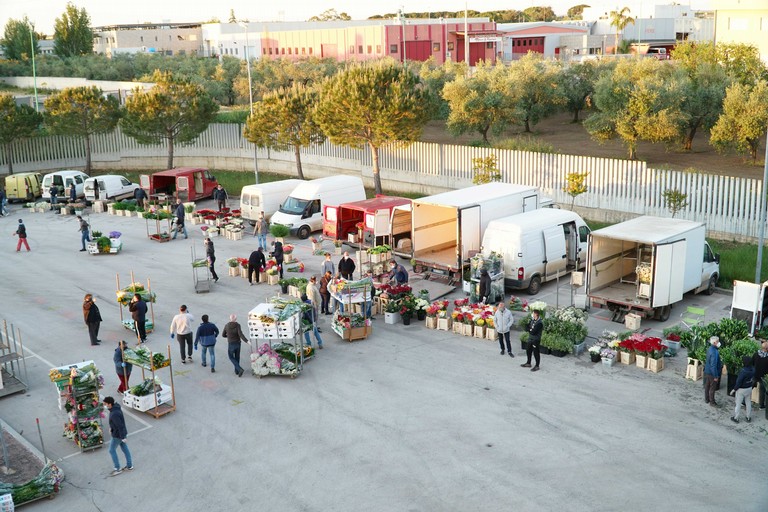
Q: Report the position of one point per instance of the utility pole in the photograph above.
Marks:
(250, 99)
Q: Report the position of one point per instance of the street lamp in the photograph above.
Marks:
(34, 70)
(250, 99)
(402, 37)
(763, 204)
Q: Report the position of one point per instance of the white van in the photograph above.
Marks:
(302, 212)
(537, 246)
(110, 186)
(63, 179)
(266, 197)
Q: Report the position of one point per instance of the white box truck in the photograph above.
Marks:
(265, 197)
(646, 264)
(537, 246)
(447, 229)
(750, 303)
(302, 212)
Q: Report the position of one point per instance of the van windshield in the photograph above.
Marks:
(294, 206)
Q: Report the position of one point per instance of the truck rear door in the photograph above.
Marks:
(555, 253)
(668, 276)
(530, 203)
(145, 183)
(182, 188)
(746, 302)
(381, 223)
(470, 236)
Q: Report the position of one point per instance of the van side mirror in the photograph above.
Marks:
(717, 258)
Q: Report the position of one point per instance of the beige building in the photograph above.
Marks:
(162, 38)
(742, 21)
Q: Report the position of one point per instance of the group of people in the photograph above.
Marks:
(755, 368)
(54, 193)
(503, 321)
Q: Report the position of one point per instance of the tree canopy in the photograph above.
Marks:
(174, 111)
(330, 15)
(16, 122)
(534, 88)
(374, 104)
(620, 19)
(72, 33)
(744, 119)
(16, 41)
(82, 112)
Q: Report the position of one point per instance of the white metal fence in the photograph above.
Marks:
(728, 205)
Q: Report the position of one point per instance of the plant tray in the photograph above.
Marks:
(609, 361)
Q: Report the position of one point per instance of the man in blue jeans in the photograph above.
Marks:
(84, 228)
(311, 316)
(206, 336)
(119, 432)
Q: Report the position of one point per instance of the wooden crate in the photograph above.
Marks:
(490, 334)
(444, 324)
(233, 271)
(694, 370)
(655, 365)
(641, 361)
(626, 357)
(357, 333)
(431, 322)
(467, 329)
(273, 278)
(478, 331)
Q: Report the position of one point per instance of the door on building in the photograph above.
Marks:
(476, 52)
(418, 50)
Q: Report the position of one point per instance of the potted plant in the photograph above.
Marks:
(407, 308)
(732, 357)
(392, 312)
(627, 351)
(594, 353)
(287, 253)
(421, 309)
(283, 285)
(672, 337)
(608, 356)
(561, 346)
(656, 354)
(279, 231)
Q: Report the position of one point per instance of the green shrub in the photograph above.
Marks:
(525, 144)
(733, 354)
(231, 116)
(278, 230)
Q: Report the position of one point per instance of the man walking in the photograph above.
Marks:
(346, 266)
(761, 370)
(138, 309)
(206, 336)
(181, 328)
(234, 334)
(179, 213)
(260, 230)
(92, 318)
(502, 321)
(713, 368)
(122, 368)
(256, 263)
(119, 432)
(277, 253)
(21, 232)
(84, 235)
(220, 195)
(535, 328)
(311, 316)
(210, 253)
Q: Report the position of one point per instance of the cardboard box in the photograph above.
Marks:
(632, 321)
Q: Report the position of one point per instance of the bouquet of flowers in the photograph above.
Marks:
(115, 234)
(517, 304)
(360, 226)
(608, 353)
(644, 274)
(296, 268)
(338, 243)
(233, 262)
(539, 306)
(243, 262)
(422, 304)
(287, 249)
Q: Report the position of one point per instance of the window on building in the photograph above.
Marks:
(450, 46)
(489, 44)
(435, 47)
(235, 51)
(303, 51)
(393, 48)
(155, 38)
(360, 49)
(270, 51)
(296, 51)
(370, 49)
(182, 52)
(378, 48)
(141, 38)
(169, 38)
(282, 51)
(289, 51)
(525, 42)
(310, 50)
(264, 51)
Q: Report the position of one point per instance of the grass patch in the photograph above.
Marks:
(231, 116)
(737, 262)
(595, 225)
(531, 144)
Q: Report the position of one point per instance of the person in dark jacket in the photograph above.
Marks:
(210, 253)
(206, 336)
(3, 202)
(325, 293)
(713, 368)
(535, 328)
(179, 212)
(84, 232)
(140, 195)
(138, 309)
(234, 334)
(72, 193)
(54, 192)
(92, 318)
(346, 266)
(119, 432)
(484, 288)
(256, 263)
(220, 195)
(277, 253)
(743, 389)
(761, 370)
(21, 232)
(398, 273)
(122, 368)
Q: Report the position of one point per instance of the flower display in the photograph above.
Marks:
(608, 353)
(233, 262)
(288, 249)
(644, 273)
(517, 304)
(115, 234)
(539, 306)
(296, 268)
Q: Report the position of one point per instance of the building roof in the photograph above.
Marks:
(147, 26)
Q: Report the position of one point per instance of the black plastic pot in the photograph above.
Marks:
(595, 358)
(421, 315)
(406, 320)
(544, 350)
(559, 353)
(284, 288)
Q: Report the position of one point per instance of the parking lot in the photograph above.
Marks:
(409, 419)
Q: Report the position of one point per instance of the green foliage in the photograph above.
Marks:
(575, 12)
(577, 83)
(737, 262)
(702, 94)
(16, 42)
(82, 112)
(675, 200)
(732, 355)
(639, 100)
(484, 170)
(284, 119)
(373, 104)
(620, 19)
(72, 33)
(539, 14)
(525, 143)
(575, 185)
(742, 62)
(534, 89)
(278, 230)
(103, 243)
(270, 75)
(434, 77)
(330, 15)
(18, 122)
(174, 111)
(232, 116)
(696, 340)
(744, 119)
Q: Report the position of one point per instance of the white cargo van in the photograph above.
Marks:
(537, 246)
(266, 197)
(110, 186)
(302, 212)
(63, 180)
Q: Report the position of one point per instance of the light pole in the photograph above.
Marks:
(763, 203)
(402, 37)
(250, 99)
(466, 36)
(34, 70)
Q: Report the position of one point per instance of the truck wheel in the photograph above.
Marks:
(534, 286)
(712, 284)
(303, 232)
(663, 313)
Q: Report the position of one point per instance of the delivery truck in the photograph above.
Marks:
(185, 183)
(265, 197)
(645, 265)
(341, 222)
(447, 229)
(537, 246)
(750, 303)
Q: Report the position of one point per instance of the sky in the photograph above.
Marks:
(43, 13)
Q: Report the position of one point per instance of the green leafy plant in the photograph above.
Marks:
(278, 230)
(733, 354)
(189, 208)
(485, 170)
(675, 200)
(103, 244)
(96, 234)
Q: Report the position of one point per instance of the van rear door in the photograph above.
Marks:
(182, 188)
(555, 254)
(145, 183)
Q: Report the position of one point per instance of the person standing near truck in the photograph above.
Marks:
(220, 195)
(84, 232)
(179, 212)
(260, 230)
(535, 328)
(713, 368)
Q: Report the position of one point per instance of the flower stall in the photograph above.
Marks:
(565, 329)
(151, 395)
(78, 389)
(280, 324)
(472, 319)
(354, 298)
(124, 296)
(101, 244)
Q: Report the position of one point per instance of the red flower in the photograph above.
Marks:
(627, 345)
(673, 337)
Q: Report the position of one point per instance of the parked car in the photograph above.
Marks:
(109, 186)
(63, 180)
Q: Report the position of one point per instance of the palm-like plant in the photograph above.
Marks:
(620, 20)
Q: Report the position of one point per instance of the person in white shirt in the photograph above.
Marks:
(502, 321)
(181, 327)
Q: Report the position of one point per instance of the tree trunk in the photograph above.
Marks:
(754, 145)
(632, 148)
(688, 140)
(484, 132)
(170, 152)
(576, 115)
(88, 155)
(375, 161)
(527, 126)
(9, 157)
(297, 153)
